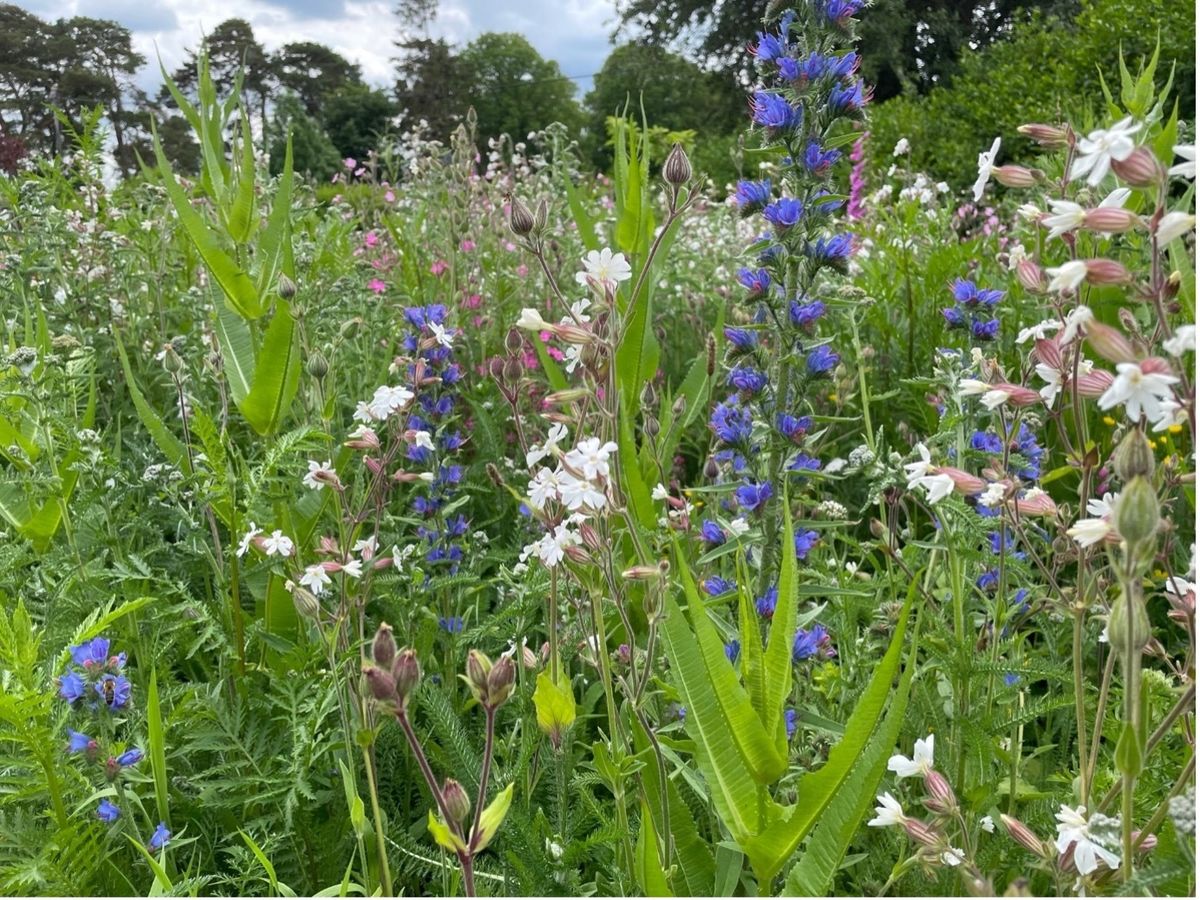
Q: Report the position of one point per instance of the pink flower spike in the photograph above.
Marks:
(376, 286)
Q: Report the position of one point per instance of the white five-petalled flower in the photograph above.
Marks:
(987, 161)
(248, 538)
(1139, 391)
(921, 763)
(1074, 828)
(1101, 147)
(605, 268)
(888, 812)
(319, 474)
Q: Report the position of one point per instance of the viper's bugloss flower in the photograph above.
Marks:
(784, 213)
(804, 463)
(773, 111)
(747, 379)
(751, 196)
(732, 650)
(114, 691)
(757, 281)
(751, 496)
(741, 339)
(71, 687)
(985, 331)
(831, 251)
(91, 653)
(811, 642)
(805, 315)
(838, 12)
(78, 742)
(130, 757)
(804, 542)
(987, 442)
(450, 624)
(731, 422)
(711, 533)
(160, 838)
(819, 161)
(966, 293)
(765, 605)
(793, 427)
(988, 581)
(108, 811)
(848, 98)
(715, 586)
(821, 360)
(825, 207)
(1027, 445)
(769, 46)
(789, 721)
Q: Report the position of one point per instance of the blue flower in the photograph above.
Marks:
(809, 643)
(420, 316)
(755, 281)
(716, 585)
(451, 624)
(1021, 601)
(751, 196)
(773, 111)
(1027, 446)
(817, 160)
(826, 206)
(751, 496)
(954, 317)
(805, 541)
(794, 427)
(789, 721)
(821, 359)
(989, 580)
(741, 338)
(769, 47)
(114, 690)
(130, 757)
(732, 650)
(108, 811)
(91, 653)
(966, 293)
(79, 743)
(71, 687)
(1011, 679)
(847, 98)
(711, 533)
(731, 422)
(765, 605)
(784, 213)
(804, 463)
(986, 442)
(831, 251)
(747, 379)
(838, 11)
(805, 315)
(985, 331)
(161, 836)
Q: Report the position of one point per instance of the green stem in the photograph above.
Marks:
(381, 843)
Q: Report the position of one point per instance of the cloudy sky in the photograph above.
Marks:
(573, 32)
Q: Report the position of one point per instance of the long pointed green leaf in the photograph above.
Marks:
(275, 244)
(237, 351)
(276, 375)
(650, 874)
(171, 446)
(778, 660)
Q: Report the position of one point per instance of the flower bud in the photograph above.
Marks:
(540, 215)
(677, 170)
(651, 426)
(382, 685)
(652, 605)
(383, 648)
(679, 407)
(306, 603)
(1110, 343)
(500, 681)
(1046, 135)
(317, 365)
(941, 796)
(1110, 220)
(1134, 457)
(1136, 516)
(513, 341)
(711, 469)
(478, 667)
(1017, 176)
(1107, 271)
(1128, 624)
(641, 573)
(1029, 274)
(1140, 169)
(1020, 833)
(455, 800)
(520, 219)
(406, 672)
(591, 538)
(171, 360)
(286, 287)
(922, 833)
(513, 370)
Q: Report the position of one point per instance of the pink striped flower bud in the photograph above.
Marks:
(922, 833)
(577, 554)
(1030, 275)
(373, 465)
(941, 798)
(1048, 352)
(1110, 219)
(1036, 502)
(1155, 365)
(1140, 169)
(365, 439)
(1093, 384)
(1016, 176)
(964, 482)
(1020, 833)
(1107, 271)
(1046, 135)
(1110, 343)
(573, 334)
(591, 539)
(1019, 395)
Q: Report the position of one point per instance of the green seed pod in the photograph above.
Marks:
(317, 365)
(458, 804)
(383, 648)
(478, 667)
(286, 287)
(171, 360)
(1134, 457)
(500, 681)
(1128, 627)
(1137, 511)
(406, 672)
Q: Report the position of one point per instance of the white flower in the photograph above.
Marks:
(531, 320)
(441, 335)
(316, 579)
(937, 487)
(536, 453)
(543, 488)
(972, 387)
(604, 267)
(1183, 341)
(423, 439)
(1179, 587)
(1139, 391)
(1068, 276)
(1076, 324)
(901, 147)
(888, 812)
(353, 568)
(987, 824)
(247, 538)
(550, 549)
(1064, 216)
(953, 856)
(659, 492)
(920, 764)
(992, 495)
(278, 544)
(1074, 828)
(1100, 148)
(738, 527)
(922, 467)
(383, 403)
(590, 457)
(400, 556)
(1187, 168)
(579, 492)
(1087, 532)
(1172, 414)
(1173, 225)
(1102, 506)
(367, 547)
(319, 474)
(987, 160)
(1038, 331)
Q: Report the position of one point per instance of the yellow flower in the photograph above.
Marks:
(1175, 429)
(1109, 421)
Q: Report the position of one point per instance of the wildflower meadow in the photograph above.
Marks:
(610, 506)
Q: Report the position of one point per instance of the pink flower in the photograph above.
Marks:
(370, 239)
(377, 286)
(555, 353)
(349, 162)
(467, 245)
(439, 266)
(522, 270)
(473, 301)
(390, 197)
